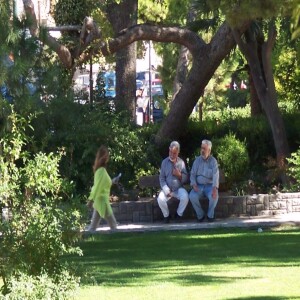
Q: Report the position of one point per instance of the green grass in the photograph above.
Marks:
(185, 265)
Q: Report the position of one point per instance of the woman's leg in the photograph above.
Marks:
(94, 221)
(111, 220)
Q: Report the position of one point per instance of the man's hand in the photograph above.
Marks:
(170, 195)
(176, 173)
(196, 188)
(214, 192)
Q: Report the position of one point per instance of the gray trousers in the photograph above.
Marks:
(111, 221)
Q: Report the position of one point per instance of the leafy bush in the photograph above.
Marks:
(44, 217)
(232, 157)
(26, 287)
(294, 170)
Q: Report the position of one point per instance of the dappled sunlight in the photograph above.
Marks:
(195, 259)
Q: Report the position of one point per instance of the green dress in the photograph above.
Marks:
(100, 193)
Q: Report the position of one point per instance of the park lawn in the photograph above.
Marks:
(186, 265)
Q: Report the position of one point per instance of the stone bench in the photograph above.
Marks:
(152, 182)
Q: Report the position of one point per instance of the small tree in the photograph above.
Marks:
(233, 158)
(42, 226)
(294, 170)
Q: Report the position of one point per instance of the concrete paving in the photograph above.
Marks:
(292, 219)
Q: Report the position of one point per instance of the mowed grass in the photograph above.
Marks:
(184, 265)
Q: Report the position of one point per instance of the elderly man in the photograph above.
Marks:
(204, 180)
(173, 175)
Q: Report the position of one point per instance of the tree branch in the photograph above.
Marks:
(64, 28)
(155, 33)
(271, 38)
(62, 51)
(242, 45)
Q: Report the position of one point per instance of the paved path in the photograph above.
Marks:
(252, 222)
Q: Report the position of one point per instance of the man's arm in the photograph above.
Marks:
(162, 179)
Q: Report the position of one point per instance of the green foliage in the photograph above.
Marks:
(27, 287)
(44, 217)
(287, 75)
(232, 157)
(72, 12)
(81, 129)
(294, 170)
(295, 24)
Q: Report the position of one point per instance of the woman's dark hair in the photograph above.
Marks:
(102, 157)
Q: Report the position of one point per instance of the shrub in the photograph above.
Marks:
(294, 170)
(45, 218)
(232, 157)
(26, 287)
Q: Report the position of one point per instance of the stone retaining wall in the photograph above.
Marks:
(147, 209)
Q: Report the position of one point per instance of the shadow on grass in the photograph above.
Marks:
(262, 298)
(184, 257)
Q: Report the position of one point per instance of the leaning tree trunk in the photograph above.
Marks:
(264, 84)
(206, 59)
(121, 16)
(183, 60)
(181, 70)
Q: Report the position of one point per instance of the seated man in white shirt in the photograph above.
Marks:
(173, 175)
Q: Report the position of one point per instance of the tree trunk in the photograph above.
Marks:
(263, 79)
(255, 105)
(181, 70)
(121, 16)
(206, 59)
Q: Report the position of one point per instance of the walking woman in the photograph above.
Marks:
(100, 192)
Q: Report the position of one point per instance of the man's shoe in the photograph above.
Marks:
(167, 220)
(178, 218)
(201, 220)
(210, 219)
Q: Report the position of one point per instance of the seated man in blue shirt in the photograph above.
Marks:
(205, 182)
(173, 175)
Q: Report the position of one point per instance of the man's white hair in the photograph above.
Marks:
(175, 145)
(208, 143)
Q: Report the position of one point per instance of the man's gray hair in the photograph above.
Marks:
(176, 145)
(208, 143)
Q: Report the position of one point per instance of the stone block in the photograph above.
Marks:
(228, 200)
(278, 212)
(131, 206)
(136, 217)
(251, 210)
(264, 212)
(273, 198)
(260, 199)
(225, 211)
(267, 202)
(273, 205)
(148, 208)
(296, 201)
(282, 204)
(251, 201)
(146, 219)
(259, 207)
(123, 218)
(123, 207)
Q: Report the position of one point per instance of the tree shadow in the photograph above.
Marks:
(262, 298)
(131, 258)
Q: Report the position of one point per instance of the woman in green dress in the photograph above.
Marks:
(100, 192)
